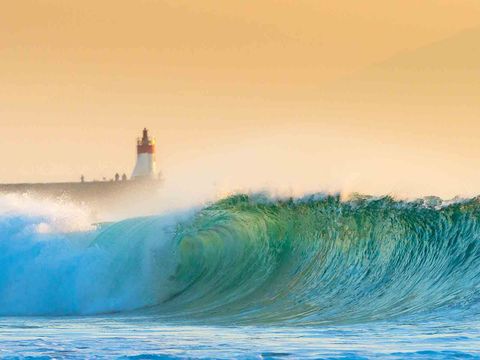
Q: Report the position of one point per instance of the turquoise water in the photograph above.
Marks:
(145, 338)
(246, 277)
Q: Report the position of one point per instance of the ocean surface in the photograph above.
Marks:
(247, 277)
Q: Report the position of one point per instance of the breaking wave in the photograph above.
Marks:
(250, 259)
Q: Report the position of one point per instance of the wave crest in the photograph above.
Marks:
(251, 259)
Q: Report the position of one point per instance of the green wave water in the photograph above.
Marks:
(249, 259)
(254, 260)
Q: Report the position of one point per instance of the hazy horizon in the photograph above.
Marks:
(371, 97)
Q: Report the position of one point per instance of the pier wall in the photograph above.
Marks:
(101, 196)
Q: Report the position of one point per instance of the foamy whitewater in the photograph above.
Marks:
(245, 277)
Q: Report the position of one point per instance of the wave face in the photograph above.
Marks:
(251, 259)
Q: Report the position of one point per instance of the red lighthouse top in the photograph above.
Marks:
(145, 145)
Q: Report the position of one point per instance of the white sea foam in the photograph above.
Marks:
(47, 215)
(55, 262)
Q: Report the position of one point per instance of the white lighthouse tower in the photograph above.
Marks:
(145, 168)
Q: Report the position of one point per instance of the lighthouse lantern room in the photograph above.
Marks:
(145, 168)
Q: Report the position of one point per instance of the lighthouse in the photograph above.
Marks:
(145, 168)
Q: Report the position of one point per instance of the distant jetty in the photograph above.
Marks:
(144, 180)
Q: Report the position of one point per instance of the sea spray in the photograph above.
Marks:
(56, 262)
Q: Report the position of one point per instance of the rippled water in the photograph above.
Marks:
(140, 337)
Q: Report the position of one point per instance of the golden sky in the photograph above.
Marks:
(373, 96)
